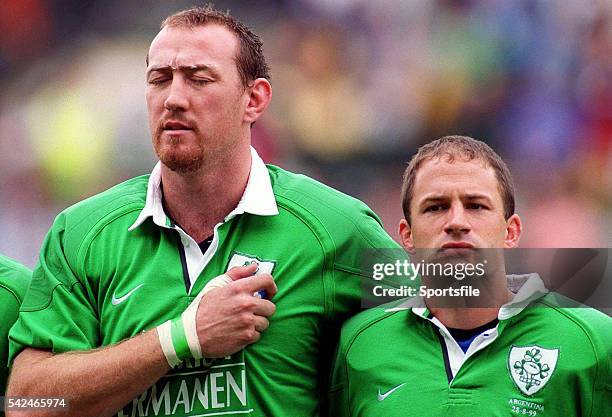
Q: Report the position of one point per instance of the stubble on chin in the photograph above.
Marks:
(182, 161)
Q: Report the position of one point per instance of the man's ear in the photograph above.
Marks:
(259, 96)
(514, 228)
(405, 233)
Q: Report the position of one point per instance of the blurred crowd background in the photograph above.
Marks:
(358, 86)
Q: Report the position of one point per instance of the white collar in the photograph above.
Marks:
(532, 289)
(258, 197)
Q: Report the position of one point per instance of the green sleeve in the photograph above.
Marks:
(354, 252)
(58, 313)
(602, 395)
(14, 281)
(338, 387)
(602, 405)
(364, 237)
(9, 308)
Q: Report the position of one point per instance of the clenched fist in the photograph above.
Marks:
(230, 317)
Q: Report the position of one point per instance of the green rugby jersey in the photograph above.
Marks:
(98, 283)
(14, 281)
(540, 360)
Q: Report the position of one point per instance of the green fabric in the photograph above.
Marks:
(14, 281)
(366, 370)
(316, 243)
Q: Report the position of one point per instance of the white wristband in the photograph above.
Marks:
(179, 337)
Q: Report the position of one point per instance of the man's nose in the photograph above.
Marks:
(177, 97)
(457, 221)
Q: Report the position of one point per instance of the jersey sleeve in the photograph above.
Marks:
(9, 307)
(367, 242)
(58, 313)
(338, 386)
(602, 405)
(602, 395)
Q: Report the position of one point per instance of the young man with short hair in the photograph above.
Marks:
(504, 355)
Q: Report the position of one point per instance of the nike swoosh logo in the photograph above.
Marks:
(117, 301)
(381, 397)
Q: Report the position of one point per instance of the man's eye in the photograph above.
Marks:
(157, 81)
(200, 81)
(435, 207)
(475, 206)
